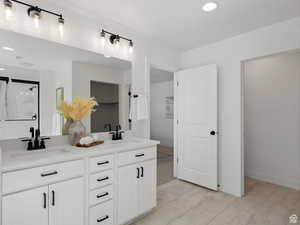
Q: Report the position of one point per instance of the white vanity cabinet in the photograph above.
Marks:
(57, 203)
(91, 189)
(136, 184)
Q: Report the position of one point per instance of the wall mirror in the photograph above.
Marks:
(35, 75)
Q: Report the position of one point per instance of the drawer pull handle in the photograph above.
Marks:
(49, 174)
(102, 179)
(142, 173)
(53, 198)
(139, 155)
(138, 173)
(102, 163)
(102, 195)
(45, 200)
(102, 219)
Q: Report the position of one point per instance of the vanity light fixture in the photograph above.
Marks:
(209, 6)
(34, 12)
(115, 39)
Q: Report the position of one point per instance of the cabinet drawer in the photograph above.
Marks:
(102, 214)
(101, 163)
(27, 178)
(101, 195)
(136, 156)
(101, 179)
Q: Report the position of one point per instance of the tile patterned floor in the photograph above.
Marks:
(181, 203)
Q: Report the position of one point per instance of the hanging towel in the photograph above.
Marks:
(3, 100)
(142, 107)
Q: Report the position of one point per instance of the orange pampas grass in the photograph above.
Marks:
(78, 108)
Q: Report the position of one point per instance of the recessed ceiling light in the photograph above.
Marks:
(209, 6)
(8, 48)
(2, 69)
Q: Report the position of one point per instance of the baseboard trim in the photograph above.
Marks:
(289, 182)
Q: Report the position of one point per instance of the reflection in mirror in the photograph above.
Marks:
(37, 75)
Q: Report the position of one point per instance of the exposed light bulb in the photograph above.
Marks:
(35, 13)
(61, 23)
(103, 38)
(130, 49)
(36, 21)
(7, 9)
(117, 42)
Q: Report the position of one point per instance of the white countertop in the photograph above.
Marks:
(16, 160)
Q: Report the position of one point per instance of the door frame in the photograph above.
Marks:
(243, 117)
(151, 65)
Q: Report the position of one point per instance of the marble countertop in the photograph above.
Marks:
(16, 160)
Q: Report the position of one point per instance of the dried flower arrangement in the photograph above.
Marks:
(78, 108)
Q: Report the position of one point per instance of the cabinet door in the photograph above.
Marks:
(26, 208)
(147, 186)
(127, 193)
(66, 203)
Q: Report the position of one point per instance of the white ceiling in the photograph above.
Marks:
(182, 24)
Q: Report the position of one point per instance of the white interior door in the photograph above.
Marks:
(197, 115)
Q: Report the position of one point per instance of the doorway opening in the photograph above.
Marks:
(161, 121)
(271, 123)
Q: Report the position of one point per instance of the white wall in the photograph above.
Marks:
(272, 119)
(161, 127)
(84, 73)
(228, 55)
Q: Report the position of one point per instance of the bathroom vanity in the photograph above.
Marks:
(109, 184)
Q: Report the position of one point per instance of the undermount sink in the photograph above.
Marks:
(38, 153)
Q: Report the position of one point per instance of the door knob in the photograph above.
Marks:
(213, 132)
